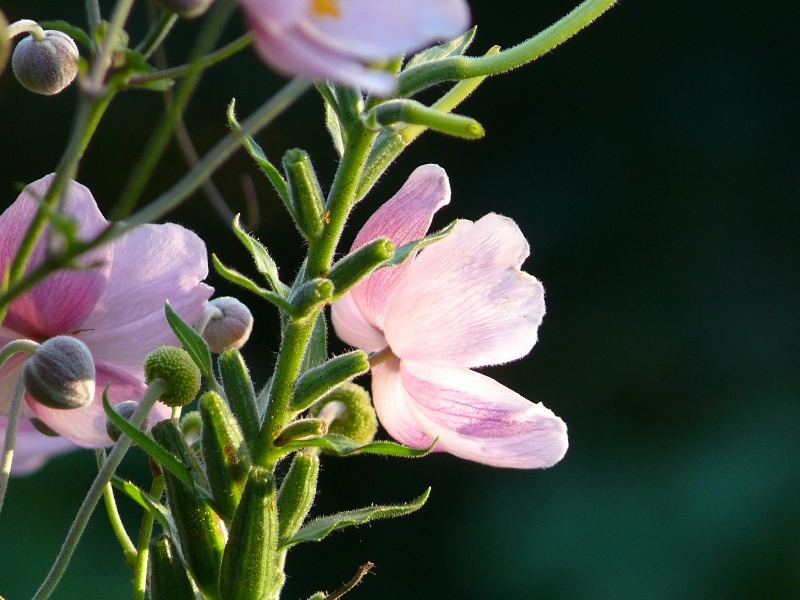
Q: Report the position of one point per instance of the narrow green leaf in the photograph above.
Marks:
(334, 127)
(146, 501)
(148, 444)
(344, 446)
(191, 341)
(455, 47)
(320, 528)
(402, 253)
(264, 262)
(245, 282)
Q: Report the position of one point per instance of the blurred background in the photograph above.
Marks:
(653, 164)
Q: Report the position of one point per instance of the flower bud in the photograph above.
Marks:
(354, 415)
(125, 410)
(297, 493)
(46, 67)
(167, 578)
(5, 42)
(176, 369)
(231, 328)
(60, 374)
(188, 9)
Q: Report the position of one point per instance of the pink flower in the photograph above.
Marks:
(333, 39)
(461, 303)
(116, 308)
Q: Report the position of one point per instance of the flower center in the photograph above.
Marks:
(326, 8)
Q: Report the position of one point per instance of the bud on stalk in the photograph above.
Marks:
(61, 374)
(167, 578)
(48, 66)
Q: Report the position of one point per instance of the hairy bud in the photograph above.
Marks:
(350, 412)
(60, 374)
(48, 66)
(228, 328)
(188, 9)
(125, 410)
(176, 369)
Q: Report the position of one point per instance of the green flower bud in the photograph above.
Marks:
(249, 565)
(125, 410)
(188, 9)
(60, 374)
(191, 426)
(231, 328)
(46, 67)
(305, 194)
(354, 415)
(167, 579)
(297, 493)
(5, 42)
(239, 392)
(176, 369)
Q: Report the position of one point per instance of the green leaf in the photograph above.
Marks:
(455, 47)
(146, 501)
(76, 33)
(257, 154)
(264, 262)
(245, 282)
(334, 127)
(402, 253)
(191, 341)
(317, 351)
(148, 444)
(344, 446)
(320, 528)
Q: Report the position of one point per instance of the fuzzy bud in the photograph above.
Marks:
(125, 410)
(353, 414)
(176, 369)
(188, 9)
(5, 42)
(60, 374)
(231, 328)
(46, 67)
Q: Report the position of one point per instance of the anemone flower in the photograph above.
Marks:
(335, 39)
(114, 304)
(460, 303)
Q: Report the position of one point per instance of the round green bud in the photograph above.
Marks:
(176, 369)
(5, 42)
(125, 410)
(60, 374)
(46, 67)
(354, 415)
(188, 9)
(191, 426)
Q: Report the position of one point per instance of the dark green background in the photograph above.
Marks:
(653, 164)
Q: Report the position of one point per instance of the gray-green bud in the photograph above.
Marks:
(125, 410)
(60, 374)
(188, 9)
(176, 369)
(230, 327)
(48, 66)
(5, 42)
(352, 411)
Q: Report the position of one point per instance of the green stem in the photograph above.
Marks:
(208, 60)
(93, 16)
(102, 62)
(463, 67)
(117, 526)
(210, 33)
(11, 438)
(151, 395)
(146, 530)
(172, 197)
(157, 34)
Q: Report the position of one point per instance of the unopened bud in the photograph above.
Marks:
(48, 66)
(176, 369)
(60, 374)
(188, 9)
(124, 410)
(229, 326)
(5, 42)
(349, 411)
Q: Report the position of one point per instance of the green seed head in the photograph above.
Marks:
(354, 415)
(177, 370)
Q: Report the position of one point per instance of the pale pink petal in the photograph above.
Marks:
(476, 418)
(152, 264)
(353, 328)
(292, 52)
(403, 218)
(277, 12)
(43, 312)
(392, 405)
(86, 426)
(464, 301)
(372, 30)
(32, 449)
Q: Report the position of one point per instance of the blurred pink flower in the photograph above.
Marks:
(334, 39)
(461, 303)
(115, 306)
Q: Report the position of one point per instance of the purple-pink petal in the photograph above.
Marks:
(464, 301)
(476, 418)
(32, 449)
(353, 328)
